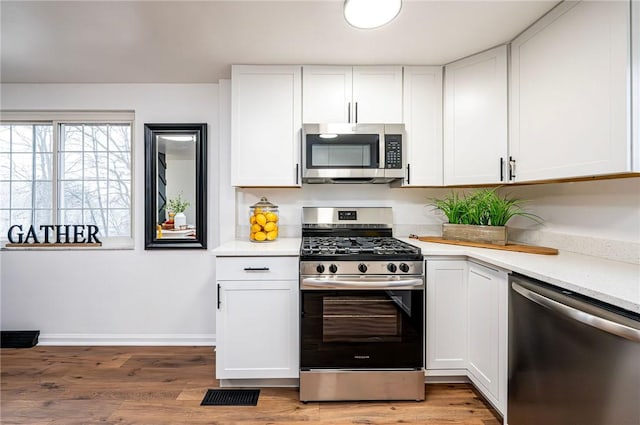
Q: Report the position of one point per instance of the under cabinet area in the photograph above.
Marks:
(358, 94)
(266, 118)
(257, 318)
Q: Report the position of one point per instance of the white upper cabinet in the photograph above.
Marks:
(422, 101)
(475, 119)
(364, 94)
(570, 96)
(635, 66)
(266, 120)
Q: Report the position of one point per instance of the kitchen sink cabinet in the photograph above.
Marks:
(570, 93)
(487, 358)
(475, 119)
(266, 121)
(364, 94)
(422, 104)
(447, 312)
(257, 318)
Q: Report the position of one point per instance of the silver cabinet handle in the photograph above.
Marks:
(329, 283)
(256, 269)
(579, 315)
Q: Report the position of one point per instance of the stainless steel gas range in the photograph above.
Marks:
(362, 308)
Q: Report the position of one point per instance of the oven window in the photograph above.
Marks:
(343, 151)
(355, 319)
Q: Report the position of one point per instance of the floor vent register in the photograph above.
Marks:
(235, 397)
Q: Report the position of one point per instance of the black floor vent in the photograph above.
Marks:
(220, 397)
(19, 339)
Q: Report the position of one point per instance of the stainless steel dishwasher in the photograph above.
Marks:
(572, 360)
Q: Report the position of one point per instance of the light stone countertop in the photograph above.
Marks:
(613, 282)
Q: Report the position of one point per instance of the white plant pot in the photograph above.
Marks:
(180, 221)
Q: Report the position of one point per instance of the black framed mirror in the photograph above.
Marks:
(175, 186)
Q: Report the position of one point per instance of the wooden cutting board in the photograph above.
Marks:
(530, 249)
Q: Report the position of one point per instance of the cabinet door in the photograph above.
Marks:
(447, 308)
(422, 99)
(257, 330)
(569, 93)
(326, 94)
(487, 363)
(266, 122)
(377, 94)
(475, 119)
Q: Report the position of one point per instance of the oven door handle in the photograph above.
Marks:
(369, 283)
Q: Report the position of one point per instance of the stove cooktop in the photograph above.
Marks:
(357, 248)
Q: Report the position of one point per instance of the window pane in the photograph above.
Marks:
(21, 194)
(120, 137)
(119, 194)
(95, 165)
(95, 194)
(97, 217)
(70, 216)
(22, 217)
(44, 167)
(5, 138)
(71, 194)
(5, 190)
(43, 195)
(95, 137)
(71, 166)
(5, 166)
(4, 222)
(22, 140)
(22, 166)
(71, 138)
(119, 223)
(43, 217)
(44, 138)
(120, 165)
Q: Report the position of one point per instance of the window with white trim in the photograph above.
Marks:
(67, 172)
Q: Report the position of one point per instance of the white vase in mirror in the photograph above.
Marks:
(180, 221)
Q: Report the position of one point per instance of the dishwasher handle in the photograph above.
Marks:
(579, 315)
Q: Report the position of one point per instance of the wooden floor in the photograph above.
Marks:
(165, 385)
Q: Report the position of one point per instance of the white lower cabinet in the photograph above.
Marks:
(257, 318)
(487, 366)
(467, 325)
(446, 342)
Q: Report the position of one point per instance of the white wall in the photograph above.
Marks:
(181, 180)
(129, 296)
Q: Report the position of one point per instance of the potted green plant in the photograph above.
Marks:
(481, 216)
(177, 206)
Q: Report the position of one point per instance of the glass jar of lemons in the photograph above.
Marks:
(263, 221)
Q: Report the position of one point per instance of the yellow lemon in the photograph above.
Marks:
(272, 235)
(260, 236)
(272, 217)
(270, 226)
(252, 236)
(261, 219)
(255, 228)
(252, 219)
(257, 210)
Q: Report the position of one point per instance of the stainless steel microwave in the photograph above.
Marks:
(352, 153)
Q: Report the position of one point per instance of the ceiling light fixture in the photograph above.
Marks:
(367, 14)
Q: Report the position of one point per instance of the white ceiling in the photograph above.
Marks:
(197, 41)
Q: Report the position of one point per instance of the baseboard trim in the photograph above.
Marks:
(127, 339)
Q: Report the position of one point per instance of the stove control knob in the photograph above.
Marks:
(333, 268)
(320, 268)
(404, 267)
(392, 267)
(362, 268)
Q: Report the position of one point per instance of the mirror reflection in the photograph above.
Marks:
(175, 185)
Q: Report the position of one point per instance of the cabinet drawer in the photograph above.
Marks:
(257, 268)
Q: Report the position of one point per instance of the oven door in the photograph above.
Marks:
(362, 328)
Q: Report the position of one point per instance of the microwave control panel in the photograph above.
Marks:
(393, 151)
